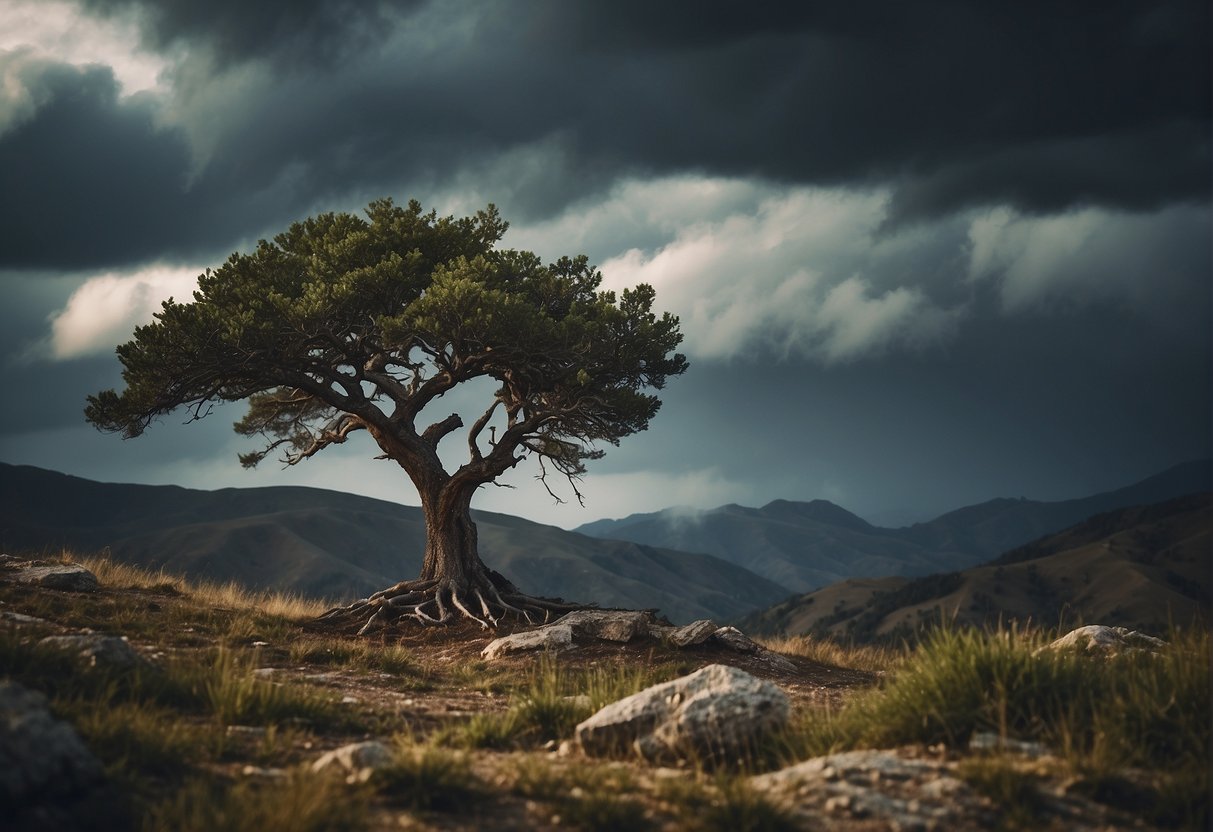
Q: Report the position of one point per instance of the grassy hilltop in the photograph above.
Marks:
(249, 692)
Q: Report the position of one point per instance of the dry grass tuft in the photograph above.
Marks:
(205, 593)
(829, 652)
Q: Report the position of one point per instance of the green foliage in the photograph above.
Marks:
(319, 326)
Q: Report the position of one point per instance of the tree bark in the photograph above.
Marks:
(451, 551)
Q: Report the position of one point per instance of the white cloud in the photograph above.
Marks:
(103, 312)
(58, 30)
(800, 271)
(1087, 255)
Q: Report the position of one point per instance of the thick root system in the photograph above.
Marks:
(444, 600)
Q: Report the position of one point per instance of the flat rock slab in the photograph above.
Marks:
(879, 786)
(718, 711)
(581, 626)
(70, 577)
(18, 619)
(551, 637)
(696, 632)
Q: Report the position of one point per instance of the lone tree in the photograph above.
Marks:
(343, 324)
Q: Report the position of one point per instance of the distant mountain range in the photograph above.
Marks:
(341, 546)
(1145, 567)
(805, 546)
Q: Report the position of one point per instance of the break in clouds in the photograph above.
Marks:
(794, 273)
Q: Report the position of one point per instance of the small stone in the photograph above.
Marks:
(694, 633)
(246, 730)
(359, 760)
(838, 803)
(735, 639)
(989, 741)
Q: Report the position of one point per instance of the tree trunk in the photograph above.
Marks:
(450, 539)
(454, 582)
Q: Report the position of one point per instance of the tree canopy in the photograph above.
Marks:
(345, 323)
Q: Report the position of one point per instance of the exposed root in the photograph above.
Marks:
(444, 601)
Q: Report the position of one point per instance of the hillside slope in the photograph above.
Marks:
(1145, 567)
(340, 546)
(805, 546)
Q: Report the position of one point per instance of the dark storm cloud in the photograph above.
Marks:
(292, 107)
(83, 170)
(1044, 105)
(236, 30)
(90, 179)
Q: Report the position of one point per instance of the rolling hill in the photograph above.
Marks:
(340, 546)
(805, 546)
(1144, 567)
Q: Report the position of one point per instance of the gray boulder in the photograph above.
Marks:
(718, 711)
(1098, 639)
(96, 650)
(41, 758)
(608, 625)
(68, 576)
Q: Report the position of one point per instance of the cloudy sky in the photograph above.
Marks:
(925, 253)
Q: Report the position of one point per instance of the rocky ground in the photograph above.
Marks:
(448, 678)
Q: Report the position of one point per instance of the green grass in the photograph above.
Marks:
(1100, 714)
(425, 778)
(586, 795)
(226, 688)
(300, 802)
(354, 655)
(728, 804)
(549, 703)
(137, 736)
(827, 651)
(1011, 786)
